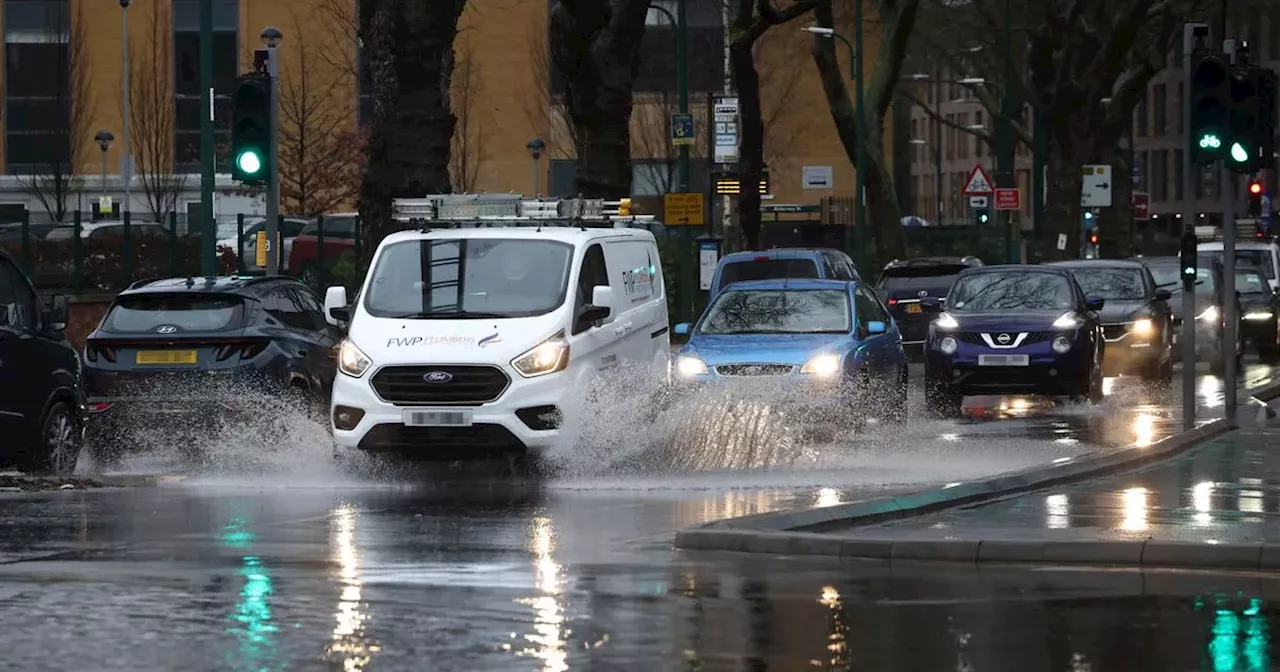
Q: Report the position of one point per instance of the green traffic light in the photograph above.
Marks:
(982, 218)
(1238, 153)
(1210, 141)
(249, 162)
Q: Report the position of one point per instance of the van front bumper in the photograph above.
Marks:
(525, 419)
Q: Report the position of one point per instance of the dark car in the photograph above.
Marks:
(1014, 329)
(41, 397)
(1136, 321)
(1209, 313)
(179, 352)
(1259, 306)
(783, 263)
(904, 283)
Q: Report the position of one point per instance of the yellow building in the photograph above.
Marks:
(64, 61)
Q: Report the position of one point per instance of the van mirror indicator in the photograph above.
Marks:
(336, 310)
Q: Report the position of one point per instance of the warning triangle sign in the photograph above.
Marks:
(979, 182)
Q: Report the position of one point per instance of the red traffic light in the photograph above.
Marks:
(1093, 239)
(1255, 187)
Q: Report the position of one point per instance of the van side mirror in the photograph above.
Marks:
(336, 309)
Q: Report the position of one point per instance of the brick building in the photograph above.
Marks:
(62, 82)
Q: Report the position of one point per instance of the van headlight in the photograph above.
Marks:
(351, 360)
(691, 366)
(549, 356)
(1210, 314)
(822, 366)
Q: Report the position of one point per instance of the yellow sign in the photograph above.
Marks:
(104, 205)
(262, 249)
(683, 210)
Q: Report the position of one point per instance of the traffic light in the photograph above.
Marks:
(250, 130)
(981, 215)
(1243, 154)
(1255, 198)
(1091, 235)
(1210, 105)
(1188, 255)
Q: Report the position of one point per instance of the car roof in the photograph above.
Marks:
(244, 285)
(1217, 245)
(572, 235)
(776, 253)
(1023, 268)
(1097, 263)
(967, 260)
(789, 283)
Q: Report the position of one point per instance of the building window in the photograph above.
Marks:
(1160, 176)
(38, 86)
(186, 79)
(1179, 104)
(1141, 114)
(1177, 175)
(963, 143)
(978, 140)
(1160, 124)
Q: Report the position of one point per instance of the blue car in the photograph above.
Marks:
(783, 263)
(828, 336)
(1014, 329)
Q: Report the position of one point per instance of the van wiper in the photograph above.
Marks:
(451, 315)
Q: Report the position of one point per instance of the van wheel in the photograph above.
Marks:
(58, 449)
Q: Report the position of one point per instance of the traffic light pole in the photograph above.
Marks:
(273, 162)
(1230, 315)
(209, 241)
(1188, 336)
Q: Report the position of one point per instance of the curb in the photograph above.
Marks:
(798, 532)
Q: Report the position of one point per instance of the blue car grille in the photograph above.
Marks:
(975, 337)
(754, 369)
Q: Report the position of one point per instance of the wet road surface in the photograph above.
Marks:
(284, 563)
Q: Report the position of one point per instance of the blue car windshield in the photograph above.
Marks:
(1011, 291)
(779, 311)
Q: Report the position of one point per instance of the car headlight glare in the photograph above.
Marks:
(691, 366)
(1210, 314)
(1068, 321)
(1258, 315)
(351, 361)
(948, 345)
(946, 321)
(822, 365)
(547, 357)
(1061, 345)
(1143, 327)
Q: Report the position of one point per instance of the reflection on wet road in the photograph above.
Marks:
(293, 565)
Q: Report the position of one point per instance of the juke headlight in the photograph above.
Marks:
(351, 360)
(547, 357)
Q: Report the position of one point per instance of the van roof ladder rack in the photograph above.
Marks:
(458, 211)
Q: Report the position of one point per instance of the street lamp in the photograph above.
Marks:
(104, 139)
(127, 170)
(535, 147)
(860, 160)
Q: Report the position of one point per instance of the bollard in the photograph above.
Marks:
(77, 255)
(240, 244)
(26, 243)
(319, 253)
(173, 243)
(127, 249)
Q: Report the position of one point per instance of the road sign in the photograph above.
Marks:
(1062, 241)
(979, 201)
(1266, 212)
(682, 209)
(1008, 199)
(979, 182)
(1141, 206)
(817, 177)
(725, 118)
(104, 205)
(1095, 186)
(682, 132)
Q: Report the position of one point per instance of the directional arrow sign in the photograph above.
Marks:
(1095, 186)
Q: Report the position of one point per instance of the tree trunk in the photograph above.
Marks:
(595, 48)
(408, 46)
(746, 81)
(884, 215)
(1062, 207)
(1115, 224)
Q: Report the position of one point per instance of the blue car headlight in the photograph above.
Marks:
(823, 366)
(1061, 345)
(688, 366)
(948, 345)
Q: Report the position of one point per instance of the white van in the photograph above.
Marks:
(470, 331)
(1261, 253)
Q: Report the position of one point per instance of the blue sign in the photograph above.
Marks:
(1266, 213)
(682, 132)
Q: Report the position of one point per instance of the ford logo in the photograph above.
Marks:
(1004, 339)
(438, 377)
(166, 329)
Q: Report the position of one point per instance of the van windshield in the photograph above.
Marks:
(461, 278)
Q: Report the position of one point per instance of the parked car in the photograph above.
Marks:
(780, 263)
(305, 254)
(834, 338)
(41, 393)
(108, 229)
(904, 283)
(1136, 321)
(1014, 329)
(180, 352)
(247, 248)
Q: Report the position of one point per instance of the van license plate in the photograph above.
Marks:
(913, 308)
(1004, 360)
(419, 418)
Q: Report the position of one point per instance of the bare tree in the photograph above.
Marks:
(151, 116)
(321, 150)
(468, 150)
(543, 107)
(66, 136)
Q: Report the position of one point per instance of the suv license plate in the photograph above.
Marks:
(418, 418)
(914, 309)
(1004, 360)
